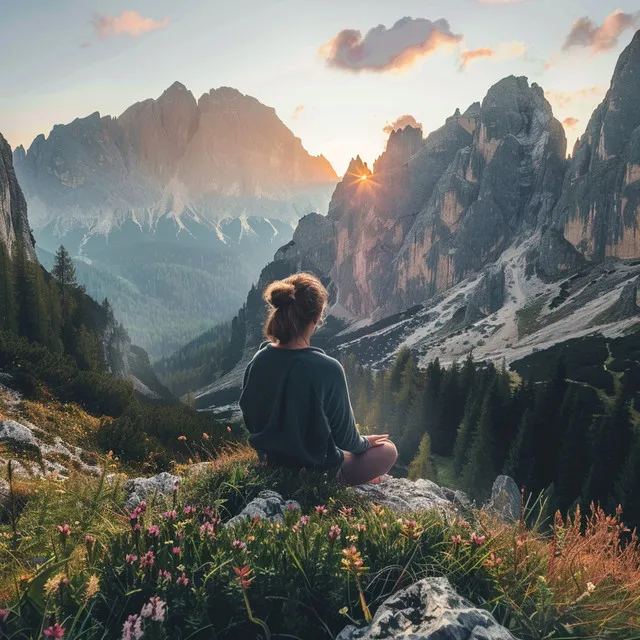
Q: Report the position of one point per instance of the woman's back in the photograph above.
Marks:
(296, 407)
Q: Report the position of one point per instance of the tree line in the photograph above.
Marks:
(565, 439)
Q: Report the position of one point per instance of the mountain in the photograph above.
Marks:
(14, 224)
(175, 204)
(479, 239)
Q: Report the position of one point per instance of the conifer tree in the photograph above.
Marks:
(626, 491)
(466, 432)
(422, 465)
(520, 464)
(450, 409)
(480, 471)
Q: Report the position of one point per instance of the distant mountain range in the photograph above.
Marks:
(174, 206)
(481, 238)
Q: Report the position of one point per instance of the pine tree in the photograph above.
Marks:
(450, 412)
(480, 471)
(626, 488)
(466, 433)
(64, 270)
(422, 465)
(520, 464)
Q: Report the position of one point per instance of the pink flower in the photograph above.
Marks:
(238, 544)
(361, 527)
(304, 521)
(132, 628)
(170, 515)
(147, 559)
(208, 529)
(189, 509)
(479, 540)
(346, 511)
(183, 580)
(165, 575)
(56, 631)
(130, 558)
(65, 530)
(456, 539)
(175, 551)
(321, 509)
(142, 507)
(153, 530)
(3, 615)
(292, 507)
(207, 511)
(89, 539)
(154, 609)
(334, 532)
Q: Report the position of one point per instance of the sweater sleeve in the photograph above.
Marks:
(341, 419)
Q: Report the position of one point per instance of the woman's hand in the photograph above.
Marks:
(377, 441)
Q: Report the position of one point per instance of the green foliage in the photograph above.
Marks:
(422, 465)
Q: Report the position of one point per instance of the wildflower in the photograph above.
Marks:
(153, 530)
(304, 521)
(55, 583)
(182, 438)
(142, 507)
(154, 609)
(411, 529)
(189, 510)
(175, 551)
(183, 580)
(3, 615)
(205, 436)
(479, 540)
(321, 509)
(251, 539)
(89, 540)
(361, 527)
(352, 561)
(464, 524)
(334, 532)
(492, 561)
(132, 628)
(238, 544)
(65, 531)
(147, 559)
(170, 515)
(244, 576)
(208, 529)
(56, 631)
(176, 487)
(343, 611)
(591, 587)
(456, 540)
(346, 511)
(130, 558)
(165, 575)
(292, 506)
(229, 429)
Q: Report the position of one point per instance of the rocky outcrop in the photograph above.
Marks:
(430, 609)
(506, 499)
(225, 155)
(14, 224)
(267, 505)
(142, 489)
(599, 211)
(487, 297)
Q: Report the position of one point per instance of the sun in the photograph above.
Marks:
(363, 177)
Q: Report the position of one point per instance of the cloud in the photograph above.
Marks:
(129, 23)
(584, 33)
(385, 49)
(498, 1)
(297, 111)
(570, 122)
(400, 123)
(503, 51)
(563, 99)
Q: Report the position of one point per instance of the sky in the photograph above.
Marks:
(339, 73)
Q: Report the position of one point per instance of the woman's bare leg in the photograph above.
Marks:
(368, 466)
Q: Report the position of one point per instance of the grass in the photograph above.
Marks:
(528, 318)
(331, 563)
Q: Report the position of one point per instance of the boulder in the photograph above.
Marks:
(268, 505)
(4, 494)
(12, 430)
(428, 610)
(403, 495)
(139, 489)
(506, 499)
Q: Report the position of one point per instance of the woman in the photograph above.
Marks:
(294, 398)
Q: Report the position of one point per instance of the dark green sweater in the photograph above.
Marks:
(295, 404)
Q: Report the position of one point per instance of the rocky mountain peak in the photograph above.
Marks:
(14, 224)
(401, 146)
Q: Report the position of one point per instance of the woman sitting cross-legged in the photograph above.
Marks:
(295, 400)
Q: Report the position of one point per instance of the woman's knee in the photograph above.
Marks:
(390, 453)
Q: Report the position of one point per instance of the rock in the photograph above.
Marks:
(429, 610)
(268, 505)
(139, 489)
(12, 430)
(402, 495)
(506, 499)
(4, 493)
(487, 297)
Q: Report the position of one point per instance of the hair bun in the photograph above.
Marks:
(282, 294)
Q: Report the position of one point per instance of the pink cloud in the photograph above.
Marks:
(400, 123)
(585, 33)
(570, 122)
(503, 51)
(562, 99)
(129, 23)
(384, 49)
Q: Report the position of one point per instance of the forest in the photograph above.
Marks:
(558, 436)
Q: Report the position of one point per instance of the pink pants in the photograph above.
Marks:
(367, 466)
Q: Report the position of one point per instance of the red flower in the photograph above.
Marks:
(65, 530)
(244, 576)
(56, 631)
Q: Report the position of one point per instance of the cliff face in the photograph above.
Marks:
(14, 225)
(599, 211)
(225, 155)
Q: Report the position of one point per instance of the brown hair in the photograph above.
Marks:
(293, 303)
